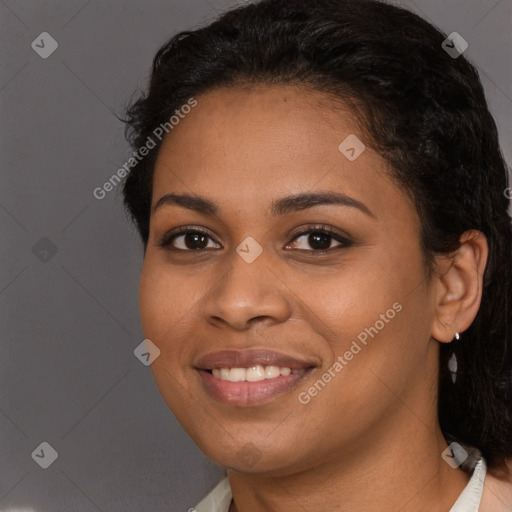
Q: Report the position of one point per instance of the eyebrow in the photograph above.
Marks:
(280, 206)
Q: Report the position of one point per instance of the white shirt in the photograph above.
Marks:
(219, 499)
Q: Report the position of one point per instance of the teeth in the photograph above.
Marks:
(252, 374)
(237, 374)
(271, 372)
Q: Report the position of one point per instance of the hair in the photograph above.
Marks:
(423, 111)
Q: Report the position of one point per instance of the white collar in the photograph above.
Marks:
(469, 500)
(219, 499)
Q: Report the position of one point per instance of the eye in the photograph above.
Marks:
(318, 239)
(188, 240)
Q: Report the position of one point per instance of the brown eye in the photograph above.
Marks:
(191, 240)
(318, 240)
(195, 241)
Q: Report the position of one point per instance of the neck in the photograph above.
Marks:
(381, 474)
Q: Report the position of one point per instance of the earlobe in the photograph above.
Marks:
(459, 283)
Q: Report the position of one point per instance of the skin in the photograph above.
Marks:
(370, 440)
(497, 493)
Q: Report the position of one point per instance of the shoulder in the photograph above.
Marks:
(497, 493)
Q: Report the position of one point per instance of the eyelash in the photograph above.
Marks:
(166, 240)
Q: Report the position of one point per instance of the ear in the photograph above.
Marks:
(458, 286)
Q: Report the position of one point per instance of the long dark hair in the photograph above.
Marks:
(423, 110)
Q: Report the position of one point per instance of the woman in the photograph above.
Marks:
(327, 269)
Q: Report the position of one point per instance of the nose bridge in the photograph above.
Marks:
(248, 290)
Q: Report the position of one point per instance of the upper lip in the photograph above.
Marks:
(250, 357)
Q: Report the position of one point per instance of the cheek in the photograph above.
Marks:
(355, 296)
(166, 297)
(167, 308)
(154, 300)
(375, 317)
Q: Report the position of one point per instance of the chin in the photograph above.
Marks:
(250, 456)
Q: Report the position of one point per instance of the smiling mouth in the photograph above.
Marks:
(234, 387)
(253, 373)
(251, 377)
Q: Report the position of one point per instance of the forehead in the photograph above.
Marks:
(246, 146)
(261, 122)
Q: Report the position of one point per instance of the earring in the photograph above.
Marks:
(452, 361)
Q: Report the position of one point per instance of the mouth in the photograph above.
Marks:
(251, 377)
(254, 373)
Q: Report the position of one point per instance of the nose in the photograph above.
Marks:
(248, 294)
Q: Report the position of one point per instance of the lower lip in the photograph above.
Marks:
(246, 394)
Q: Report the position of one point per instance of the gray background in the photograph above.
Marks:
(70, 324)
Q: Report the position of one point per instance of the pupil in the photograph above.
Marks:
(319, 241)
(195, 241)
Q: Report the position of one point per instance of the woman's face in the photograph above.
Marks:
(303, 255)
